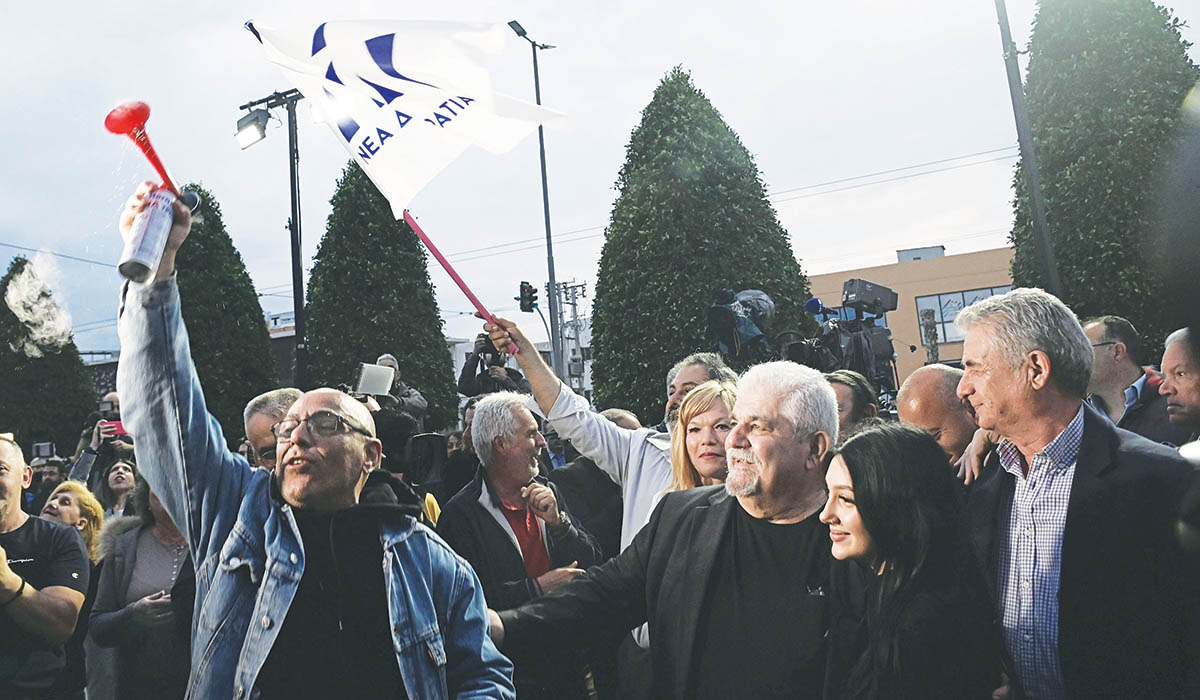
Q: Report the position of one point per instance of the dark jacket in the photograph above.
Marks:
(1126, 607)
(1148, 417)
(476, 533)
(661, 578)
(472, 384)
(595, 502)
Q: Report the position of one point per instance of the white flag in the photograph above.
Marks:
(404, 98)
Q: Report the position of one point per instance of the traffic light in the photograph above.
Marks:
(528, 297)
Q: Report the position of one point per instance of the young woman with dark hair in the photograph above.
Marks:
(926, 628)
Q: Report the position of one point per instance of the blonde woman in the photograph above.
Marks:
(73, 505)
(698, 443)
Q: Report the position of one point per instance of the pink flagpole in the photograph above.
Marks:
(412, 222)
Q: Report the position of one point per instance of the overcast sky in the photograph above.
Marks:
(818, 92)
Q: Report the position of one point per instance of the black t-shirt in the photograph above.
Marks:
(762, 633)
(45, 554)
(336, 639)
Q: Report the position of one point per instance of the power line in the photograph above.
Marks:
(776, 193)
(59, 255)
(894, 179)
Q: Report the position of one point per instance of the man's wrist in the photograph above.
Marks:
(166, 268)
(10, 583)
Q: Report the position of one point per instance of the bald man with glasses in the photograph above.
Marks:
(292, 600)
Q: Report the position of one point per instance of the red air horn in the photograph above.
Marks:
(130, 118)
(148, 234)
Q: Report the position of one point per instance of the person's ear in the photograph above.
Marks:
(818, 448)
(372, 454)
(1037, 369)
(82, 523)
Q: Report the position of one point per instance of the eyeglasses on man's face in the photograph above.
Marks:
(320, 424)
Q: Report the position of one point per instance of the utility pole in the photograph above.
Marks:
(573, 292)
(1041, 232)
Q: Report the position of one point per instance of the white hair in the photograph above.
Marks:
(806, 400)
(495, 416)
(1028, 319)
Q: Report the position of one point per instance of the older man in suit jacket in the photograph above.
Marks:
(1075, 521)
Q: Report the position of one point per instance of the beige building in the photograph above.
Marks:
(926, 278)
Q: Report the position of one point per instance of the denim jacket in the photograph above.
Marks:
(247, 548)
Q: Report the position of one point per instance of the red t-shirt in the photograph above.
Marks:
(529, 536)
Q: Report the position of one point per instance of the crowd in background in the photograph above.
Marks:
(1027, 526)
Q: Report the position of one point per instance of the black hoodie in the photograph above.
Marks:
(336, 639)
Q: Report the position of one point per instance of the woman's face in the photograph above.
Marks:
(845, 404)
(63, 508)
(846, 528)
(120, 477)
(705, 441)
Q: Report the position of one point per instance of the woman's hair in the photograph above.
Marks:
(910, 503)
(114, 453)
(698, 400)
(90, 508)
(860, 389)
(141, 503)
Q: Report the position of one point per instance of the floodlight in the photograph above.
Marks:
(252, 128)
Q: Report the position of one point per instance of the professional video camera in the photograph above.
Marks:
(858, 344)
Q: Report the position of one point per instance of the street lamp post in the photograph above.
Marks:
(1041, 231)
(251, 130)
(555, 324)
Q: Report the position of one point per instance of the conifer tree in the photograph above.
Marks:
(226, 327)
(692, 217)
(47, 392)
(369, 293)
(1105, 85)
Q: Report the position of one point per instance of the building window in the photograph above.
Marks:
(845, 313)
(946, 307)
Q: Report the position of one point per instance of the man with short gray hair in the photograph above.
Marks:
(262, 412)
(1074, 521)
(1181, 381)
(697, 368)
(512, 526)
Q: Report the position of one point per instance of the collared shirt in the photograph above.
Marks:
(1133, 392)
(1031, 557)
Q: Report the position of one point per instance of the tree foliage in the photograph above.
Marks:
(370, 293)
(47, 392)
(1105, 84)
(228, 332)
(691, 217)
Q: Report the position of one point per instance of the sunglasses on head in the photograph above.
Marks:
(321, 424)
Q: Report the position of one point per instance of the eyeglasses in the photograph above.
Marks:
(264, 457)
(1109, 342)
(320, 424)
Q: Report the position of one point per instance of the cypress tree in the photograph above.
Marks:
(47, 392)
(691, 217)
(370, 293)
(228, 332)
(1105, 84)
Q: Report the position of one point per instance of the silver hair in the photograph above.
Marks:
(273, 404)
(806, 400)
(1028, 319)
(711, 361)
(1175, 336)
(495, 416)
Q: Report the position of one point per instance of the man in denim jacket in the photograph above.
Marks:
(290, 600)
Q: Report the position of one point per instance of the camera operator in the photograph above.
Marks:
(402, 396)
(494, 376)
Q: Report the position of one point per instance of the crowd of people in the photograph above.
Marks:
(1029, 527)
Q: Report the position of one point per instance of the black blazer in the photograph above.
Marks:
(1126, 608)
(662, 577)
